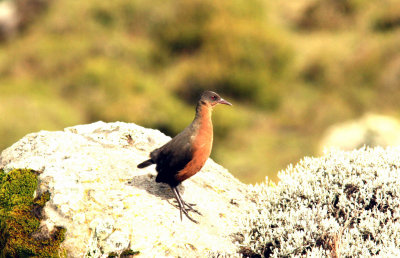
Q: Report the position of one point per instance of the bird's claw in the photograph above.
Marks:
(190, 207)
(182, 204)
(187, 207)
(187, 215)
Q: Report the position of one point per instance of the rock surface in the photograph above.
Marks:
(8, 19)
(108, 205)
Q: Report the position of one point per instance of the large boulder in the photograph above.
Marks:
(371, 130)
(106, 204)
(8, 20)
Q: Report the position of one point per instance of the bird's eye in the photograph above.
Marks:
(214, 97)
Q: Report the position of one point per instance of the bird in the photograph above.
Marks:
(186, 153)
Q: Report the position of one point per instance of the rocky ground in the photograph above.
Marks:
(109, 205)
(89, 190)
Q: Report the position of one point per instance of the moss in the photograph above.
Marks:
(20, 215)
(112, 255)
(126, 253)
(129, 252)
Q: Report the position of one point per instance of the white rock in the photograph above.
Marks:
(107, 204)
(8, 19)
(370, 130)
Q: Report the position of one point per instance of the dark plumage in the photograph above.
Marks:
(185, 154)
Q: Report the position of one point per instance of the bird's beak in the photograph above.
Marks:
(222, 101)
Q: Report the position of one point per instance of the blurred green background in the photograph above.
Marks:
(291, 69)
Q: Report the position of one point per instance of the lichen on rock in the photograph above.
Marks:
(20, 215)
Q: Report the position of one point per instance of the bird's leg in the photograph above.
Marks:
(189, 205)
(181, 205)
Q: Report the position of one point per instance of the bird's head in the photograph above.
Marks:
(211, 98)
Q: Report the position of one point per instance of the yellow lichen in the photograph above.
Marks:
(20, 215)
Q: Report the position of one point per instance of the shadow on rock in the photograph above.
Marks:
(148, 183)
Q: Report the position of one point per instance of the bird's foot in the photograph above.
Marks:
(187, 207)
(185, 211)
(190, 207)
(184, 207)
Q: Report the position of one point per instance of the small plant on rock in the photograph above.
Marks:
(344, 204)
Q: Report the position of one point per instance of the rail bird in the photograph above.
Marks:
(185, 154)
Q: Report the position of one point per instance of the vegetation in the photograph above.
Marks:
(20, 215)
(291, 68)
(124, 254)
(129, 253)
(344, 204)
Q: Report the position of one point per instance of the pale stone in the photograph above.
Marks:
(370, 130)
(107, 204)
(8, 19)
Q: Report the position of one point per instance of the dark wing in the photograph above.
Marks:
(172, 157)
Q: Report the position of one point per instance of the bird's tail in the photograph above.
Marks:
(145, 163)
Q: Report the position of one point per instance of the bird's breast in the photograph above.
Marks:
(201, 149)
(202, 143)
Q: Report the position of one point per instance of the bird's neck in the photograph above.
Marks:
(203, 113)
(202, 121)
(203, 130)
